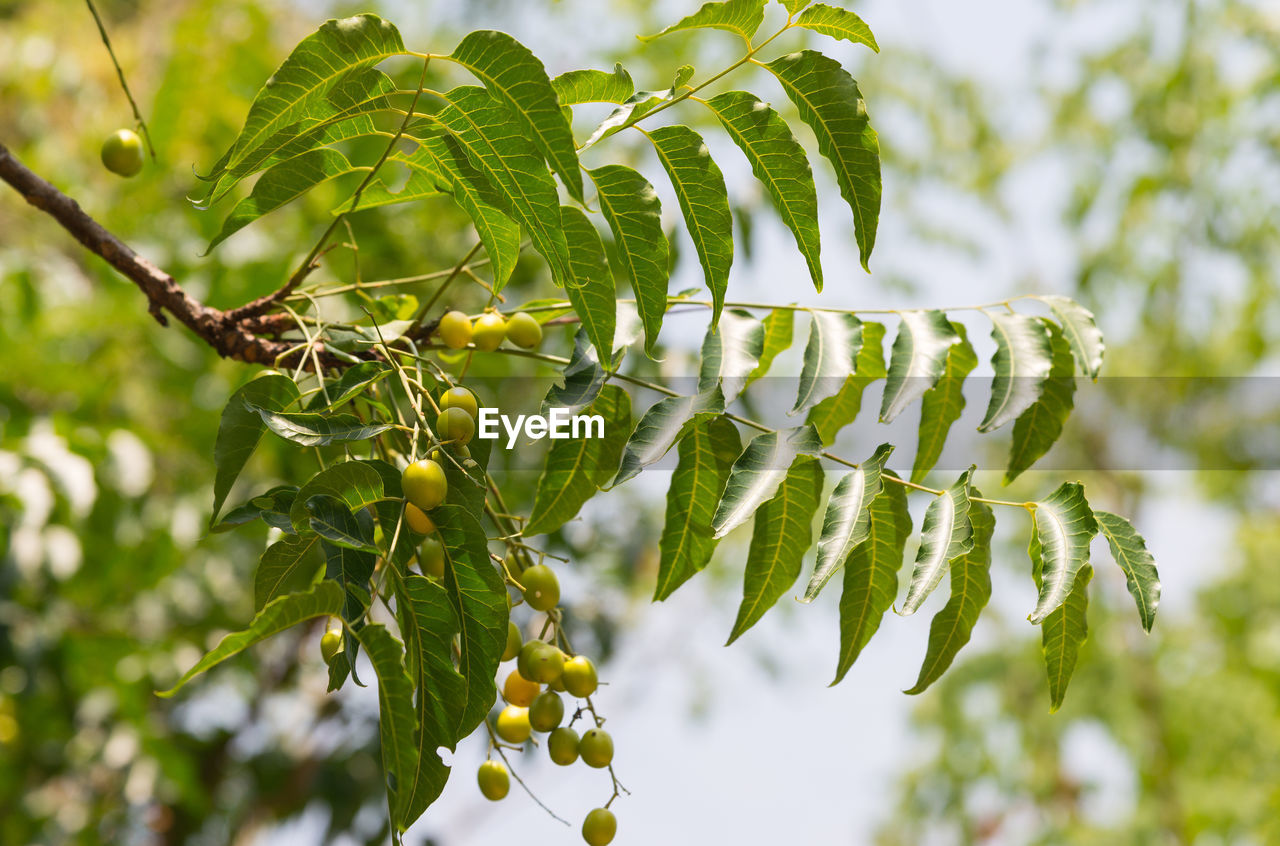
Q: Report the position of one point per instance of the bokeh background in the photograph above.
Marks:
(1123, 152)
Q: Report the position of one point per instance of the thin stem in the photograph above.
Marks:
(137, 114)
(453, 274)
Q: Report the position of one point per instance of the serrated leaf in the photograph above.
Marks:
(633, 211)
(308, 428)
(425, 180)
(591, 294)
(918, 359)
(1060, 536)
(593, 86)
(871, 573)
(667, 421)
(631, 110)
(946, 535)
(495, 144)
(352, 569)
(332, 520)
(581, 379)
(779, 329)
(578, 467)
(356, 483)
(704, 202)
(829, 356)
(240, 429)
(271, 507)
(290, 564)
(942, 405)
(707, 452)
(1129, 550)
(827, 98)
(350, 384)
(730, 353)
(782, 534)
(834, 413)
(837, 23)
(514, 75)
(779, 163)
(1037, 428)
(395, 717)
(970, 590)
(325, 599)
(758, 472)
(742, 17)
(1082, 332)
(794, 6)
(847, 522)
(1062, 634)
(1024, 356)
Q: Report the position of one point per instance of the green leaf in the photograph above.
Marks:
(779, 327)
(742, 17)
(942, 404)
(837, 23)
(357, 483)
(309, 428)
(758, 472)
(970, 590)
(395, 716)
(834, 413)
(578, 467)
(479, 599)
(631, 110)
(497, 147)
(704, 202)
(706, 454)
(1024, 356)
(780, 163)
(781, 537)
(633, 211)
(240, 429)
(593, 86)
(730, 353)
(425, 180)
(515, 76)
(834, 341)
(289, 565)
(324, 600)
(847, 522)
(667, 421)
(271, 507)
(1062, 633)
(1081, 331)
(946, 535)
(592, 294)
(794, 6)
(350, 384)
(582, 379)
(1060, 536)
(871, 574)
(1037, 428)
(333, 521)
(1129, 550)
(918, 359)
(828, 99)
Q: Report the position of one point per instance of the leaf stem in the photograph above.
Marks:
(137, 114)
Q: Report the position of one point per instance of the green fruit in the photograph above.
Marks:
(514, 641)
(562, 746)
(424, 484)
(546, 712)
(579, 677)
(330, 645)
(541, 587)
(418, 519)
(518, 690)
(455, 425)
(460, 398)
(122, 153)
(494, 780)
(596, 748)
(599, 827)
(523, 330)
(488, 331)
(513, 724)
(431, 558)
(540, 662)
(454, 329)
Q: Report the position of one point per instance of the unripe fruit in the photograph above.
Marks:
(599, 827)
(460, 398)
(579, 677)
(431, 558)
(541, 587)
(540, 661)
(424, 484)
(458, 450)
(518, 690)
(596, 748)
(562, 746)
(494, 780)
(513, 724)
(418, 519)
(330, 645)
(523, 330)
(122, 153)
(546, 712)
(556, 684)
(514, 641)
(454, 424)
(488, 331)
(454, 330)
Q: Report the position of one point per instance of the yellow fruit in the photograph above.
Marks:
(596, 747)
(424, 484)
(454, 330)
(599, 827)
(562, 746)
(546, 712)
(460, 398)
(122, 153)
(518, 690)
(330, 645)
(454, 424)
(514, 641)
(523, 330)
(418, 519)
(431, 558)
(512, 724)
(579, 677)
(494, 780)
(541, 587)
(488, 331)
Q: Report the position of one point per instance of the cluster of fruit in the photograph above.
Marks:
(489, 330)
